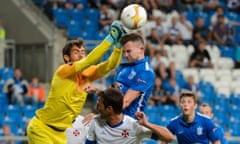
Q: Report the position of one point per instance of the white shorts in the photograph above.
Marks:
(77, 134)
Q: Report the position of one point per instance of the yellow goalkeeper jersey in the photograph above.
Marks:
(67, 96)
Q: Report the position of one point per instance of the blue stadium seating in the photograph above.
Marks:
(149, 141)
(227, 51)
(92, 15)
(73, 29)
(29, 111)
(76, 15)
(61, 17)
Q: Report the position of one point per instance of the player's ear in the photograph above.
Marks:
(66, 58)
(196, 105)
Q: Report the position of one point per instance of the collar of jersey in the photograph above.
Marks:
(187, 124)
(137, 61)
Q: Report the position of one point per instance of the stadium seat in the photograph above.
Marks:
(209, 78)
(3, 101)
(234, 85)
(92, 15)
(222, 72)
(149, 141)
(61, 17)
(152, 114)
(29, 111)
(73, 29)
(100, 36)
(228, 52)
(90, 27)
(224, 63)
(224, 91)
(77, 15)
(13, 113)
(191, 17)
(191, 72)
(176, 49)
(206, 71)
(236, 74)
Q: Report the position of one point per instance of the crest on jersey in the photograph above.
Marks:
(125, 134)
(132, 74)
(76, 132)
(199, 131)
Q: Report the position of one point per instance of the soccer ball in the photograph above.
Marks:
(134, 16)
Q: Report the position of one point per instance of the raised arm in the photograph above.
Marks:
(95, 55)
(163, 133)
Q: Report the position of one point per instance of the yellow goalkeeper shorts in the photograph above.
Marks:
(40, 133)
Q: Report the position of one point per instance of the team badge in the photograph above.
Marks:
(199, 131)
(132, 74)
(125, 134)
(76, 132)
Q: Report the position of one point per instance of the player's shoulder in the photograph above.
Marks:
(98, 120)
(176, 118)
(202, 117)
(127, 118)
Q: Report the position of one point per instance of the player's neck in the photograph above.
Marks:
(189, 118)
(115, 119)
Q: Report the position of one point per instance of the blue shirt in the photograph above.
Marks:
(138, 76)
(200, 131)
(220, 134)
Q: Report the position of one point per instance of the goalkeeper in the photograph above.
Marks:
(67, 96)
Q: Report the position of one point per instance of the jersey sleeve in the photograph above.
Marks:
(212, 131)
(92, 58)
(144, 80)
(171, 127)
(142, 131)
(97, 71)
(91, 137)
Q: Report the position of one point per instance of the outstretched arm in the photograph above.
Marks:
(95, 55)
(163, 133)
(111, 63)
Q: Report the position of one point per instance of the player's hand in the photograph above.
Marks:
(116, 30)
(141, 117)
(87, 119)
(90, 88)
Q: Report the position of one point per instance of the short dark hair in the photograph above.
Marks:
(188, 94)
(68, 46)
(112, 97)
(131, 37)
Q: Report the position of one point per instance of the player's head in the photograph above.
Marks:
(73, 51)
(133, 47)
(188, 102)
(17, 73)
(110, 101)
(206, 110)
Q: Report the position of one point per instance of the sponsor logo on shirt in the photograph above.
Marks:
(140, 80)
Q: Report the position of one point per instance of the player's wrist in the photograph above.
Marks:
(118, 44)
(109, 39)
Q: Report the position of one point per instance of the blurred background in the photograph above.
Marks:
(178, 32)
